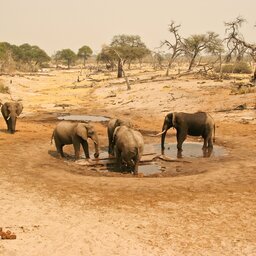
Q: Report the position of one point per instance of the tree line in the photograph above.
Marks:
(127, 49)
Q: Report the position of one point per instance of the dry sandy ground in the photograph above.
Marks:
(206, 206)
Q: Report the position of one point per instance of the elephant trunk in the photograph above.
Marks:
(164, 130)
(12, 121)
(96, 145)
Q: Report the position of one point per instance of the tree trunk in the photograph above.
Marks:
(254, 76)
(168, 68)
(119, 69)
(221, 71)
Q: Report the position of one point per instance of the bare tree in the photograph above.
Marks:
(176, 48)
(236, 42)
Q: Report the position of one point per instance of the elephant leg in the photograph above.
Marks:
(77, 150)
(136, 167)
(59, 147)
(181, 136)
(205, 142)
(210, 142)
(118, 160)
(61, 150)
(85, 148)
(110, 146)
(8, 125)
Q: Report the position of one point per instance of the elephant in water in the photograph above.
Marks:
(129, 146)
(10, 112)
(195, 124)
(75, 133)
(112, 124)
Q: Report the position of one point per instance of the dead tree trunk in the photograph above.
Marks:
(119, 69)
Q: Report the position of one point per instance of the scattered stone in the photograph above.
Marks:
(7, 235)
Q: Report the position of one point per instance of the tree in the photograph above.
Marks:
(158, 58)
(235, 41)
(196, 44)
(84, 52)
(32, 55)
(124, 48)
(176, 48)
(23, 54)
(67, 55)
(107, 56)
(6, 55)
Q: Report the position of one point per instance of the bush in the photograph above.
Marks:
(4, 89)
(238, 68)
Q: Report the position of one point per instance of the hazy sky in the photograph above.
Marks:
(57, 24)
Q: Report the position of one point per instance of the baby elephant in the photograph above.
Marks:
(112, 124)
(67, 133)
(129, 146)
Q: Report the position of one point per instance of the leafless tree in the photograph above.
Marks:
(176, 48)
(236, 42)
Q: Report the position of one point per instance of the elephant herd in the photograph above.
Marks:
(125, 143)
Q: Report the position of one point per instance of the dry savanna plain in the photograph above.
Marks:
(193, 205)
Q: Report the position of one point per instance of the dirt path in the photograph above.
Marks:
(57, 207)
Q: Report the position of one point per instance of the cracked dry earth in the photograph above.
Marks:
(204, 206)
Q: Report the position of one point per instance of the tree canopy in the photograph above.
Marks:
(84, 52)
(195, 44)
(123, 48)
(67, 55)
(33, 56)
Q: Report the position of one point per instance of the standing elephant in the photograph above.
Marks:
(129, 147)
(112, 124)
(195, 124)
(10, 112)
(67, 133)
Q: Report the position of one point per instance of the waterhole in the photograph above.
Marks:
(190, 150)
(153, 163)
(85, 118)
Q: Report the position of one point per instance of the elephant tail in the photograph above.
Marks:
(213, 127)
(52, 137)
(214, 132)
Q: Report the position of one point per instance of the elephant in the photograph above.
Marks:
(193, 124)
(112, 124)
(10, 112)
(129, 145)
(75, 133)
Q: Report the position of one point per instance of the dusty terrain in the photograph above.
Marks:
(204, 206)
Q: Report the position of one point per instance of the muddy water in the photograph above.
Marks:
(85, 118)
(150, 165)
(190, 150)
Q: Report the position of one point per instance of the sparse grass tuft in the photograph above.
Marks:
(237, 68)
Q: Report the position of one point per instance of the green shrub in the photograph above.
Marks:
(237, 68)
(4, 89)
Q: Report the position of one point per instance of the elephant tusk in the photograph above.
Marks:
(8, 117)
(160, 133)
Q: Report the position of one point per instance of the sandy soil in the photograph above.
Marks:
(206, 206)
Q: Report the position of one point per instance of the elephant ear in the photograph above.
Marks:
(81, 131)
(114, 134)
(5, 109)
(19, 108)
